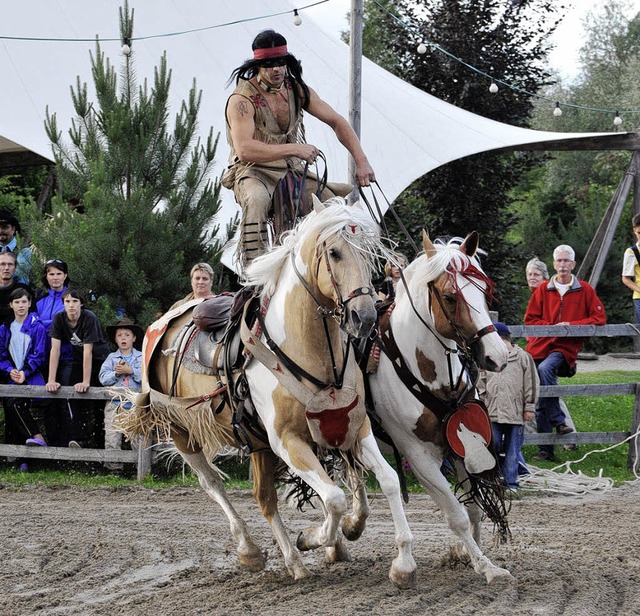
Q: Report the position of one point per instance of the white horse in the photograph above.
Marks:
(303, 381)
(441, 306)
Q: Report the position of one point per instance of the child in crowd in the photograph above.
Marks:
(511, 397)
(123, 368)
(81, 328)
(22, 356)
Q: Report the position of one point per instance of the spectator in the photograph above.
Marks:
(81, 328)
(631, 267)
(563, 300)
(536, 273)
(122, 368)
(22, 357)
(393, 271)
(8, 283)
(9, 226)
(201, 277)
(55, 280)
(511, 397)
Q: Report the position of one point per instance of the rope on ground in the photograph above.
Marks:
(570, 483)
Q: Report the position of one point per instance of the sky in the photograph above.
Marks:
(568, 38)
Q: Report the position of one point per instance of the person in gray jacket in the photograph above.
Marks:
(511, 397)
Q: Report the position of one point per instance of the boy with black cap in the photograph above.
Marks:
(122, 368)
(511, 397)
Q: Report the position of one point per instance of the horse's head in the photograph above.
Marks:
(339, 253)
(458, 300)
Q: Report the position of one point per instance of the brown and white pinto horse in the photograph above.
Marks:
(308, 391)
(440, 307)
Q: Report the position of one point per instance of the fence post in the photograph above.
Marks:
(145, 454)
(635, 423)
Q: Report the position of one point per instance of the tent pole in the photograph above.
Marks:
(355, 80)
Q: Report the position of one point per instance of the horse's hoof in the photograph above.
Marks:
(337, 554)
(254, 562)
(352, 528)
(299, 571)
(404, 580)
(497, 574)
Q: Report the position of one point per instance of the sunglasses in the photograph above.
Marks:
(55, 262)
(273, 62)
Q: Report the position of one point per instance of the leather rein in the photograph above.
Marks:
(337, 313)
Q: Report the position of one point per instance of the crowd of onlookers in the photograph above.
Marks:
(48, 337)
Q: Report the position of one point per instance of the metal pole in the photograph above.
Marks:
(355, 78)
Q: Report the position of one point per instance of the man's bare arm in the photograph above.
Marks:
(345, 134)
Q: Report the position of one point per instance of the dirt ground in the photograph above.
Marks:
(136, 551)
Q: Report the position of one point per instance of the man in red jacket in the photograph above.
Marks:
(563, 300)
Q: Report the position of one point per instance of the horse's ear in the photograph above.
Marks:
(470, 244)
(427, 245)
(318, 206)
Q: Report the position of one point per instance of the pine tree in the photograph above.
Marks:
(136, 201)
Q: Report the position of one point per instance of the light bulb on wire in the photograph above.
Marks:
(557, 111)
(493, 88)
(297, 20)
(617, 120)
(422, 49)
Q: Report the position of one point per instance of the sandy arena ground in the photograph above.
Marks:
(136, 551)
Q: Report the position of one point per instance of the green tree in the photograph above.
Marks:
(136, 201)
(504, 39)
(573, 191)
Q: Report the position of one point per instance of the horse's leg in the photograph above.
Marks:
(425, 465)
(353, 524)
(249, 554)
(264, 490)
(338, 552)
(301, 459)
(403, 568)
(473, 509)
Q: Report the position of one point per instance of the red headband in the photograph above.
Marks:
(270, 52)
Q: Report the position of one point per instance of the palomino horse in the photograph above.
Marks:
(306, 389)
(440, 307)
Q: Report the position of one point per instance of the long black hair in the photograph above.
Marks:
(265, 40)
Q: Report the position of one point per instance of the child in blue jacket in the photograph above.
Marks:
(22, 357)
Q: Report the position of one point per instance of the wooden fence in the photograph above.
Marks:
(585, 331)
(142, 458)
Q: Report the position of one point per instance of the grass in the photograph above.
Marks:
(590, 414)
(597, 414)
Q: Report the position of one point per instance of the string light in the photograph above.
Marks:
(557, 111)
(422, 49)
(125, 50)
(617, 119)
(297, 20)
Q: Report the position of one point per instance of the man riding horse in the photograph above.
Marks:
(266, 134)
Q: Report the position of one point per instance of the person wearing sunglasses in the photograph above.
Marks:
(266, 134)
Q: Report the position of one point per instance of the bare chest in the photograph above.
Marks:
(279, 105)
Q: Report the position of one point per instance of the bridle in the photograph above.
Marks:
(337, 312)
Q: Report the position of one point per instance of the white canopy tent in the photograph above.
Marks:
(405, 132)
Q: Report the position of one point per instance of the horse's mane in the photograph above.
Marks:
(448, 255)
(265, 270)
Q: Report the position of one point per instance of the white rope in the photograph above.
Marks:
(570, 483)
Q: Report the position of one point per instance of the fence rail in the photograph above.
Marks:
(585, 331)
(141, 458)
